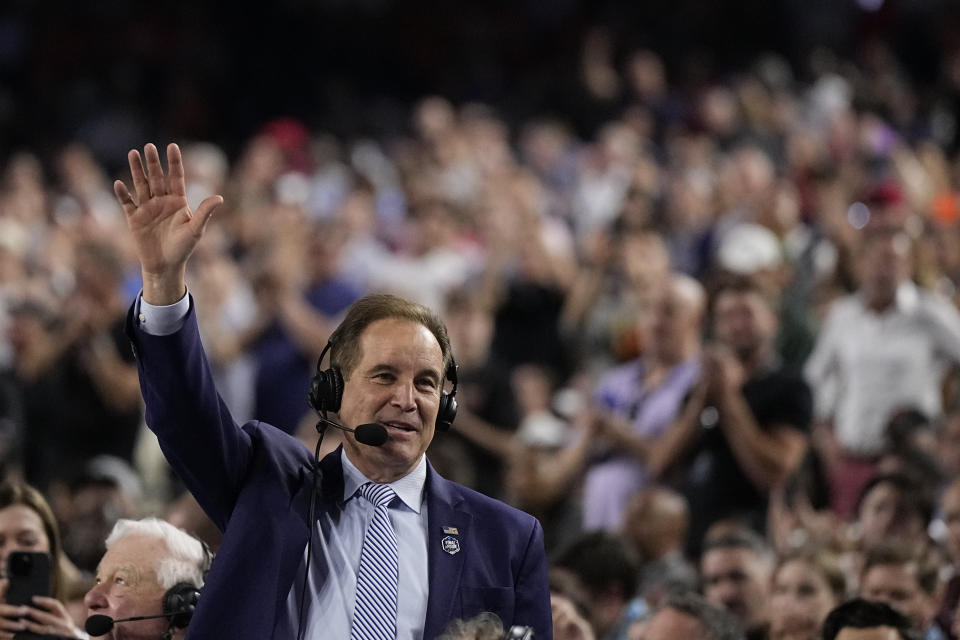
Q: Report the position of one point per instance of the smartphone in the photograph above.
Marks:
(29, 575)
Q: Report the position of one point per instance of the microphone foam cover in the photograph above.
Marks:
(98, 625)
(372, 434)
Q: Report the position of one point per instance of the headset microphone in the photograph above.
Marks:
(371, 433)
(179, 603)
(100, 625)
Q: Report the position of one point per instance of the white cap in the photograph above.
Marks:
(748, 248)
(543, 429)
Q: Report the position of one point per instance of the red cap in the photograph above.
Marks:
(887, 192)
(293, 139)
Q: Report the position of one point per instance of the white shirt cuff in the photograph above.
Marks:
(163, 320)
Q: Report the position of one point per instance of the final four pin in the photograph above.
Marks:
(450, 544)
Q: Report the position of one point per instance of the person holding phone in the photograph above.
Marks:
(27, 524)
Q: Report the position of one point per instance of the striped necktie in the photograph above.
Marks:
(375, 611)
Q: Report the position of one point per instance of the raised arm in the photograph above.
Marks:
(197, 434)
(164, 229)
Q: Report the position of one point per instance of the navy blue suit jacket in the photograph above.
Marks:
(254, 482)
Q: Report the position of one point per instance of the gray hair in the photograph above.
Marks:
(715, 623)
(186, 559)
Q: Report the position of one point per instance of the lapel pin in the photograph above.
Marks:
(450, 544)
(451, 531)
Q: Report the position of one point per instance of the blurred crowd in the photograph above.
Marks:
(713, 348)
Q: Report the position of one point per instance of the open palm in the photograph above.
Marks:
(165, 230)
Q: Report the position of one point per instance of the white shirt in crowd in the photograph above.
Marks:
(867, 365)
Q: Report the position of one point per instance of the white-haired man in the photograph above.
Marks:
(151, 568)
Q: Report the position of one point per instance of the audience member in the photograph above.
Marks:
(296, 309)
(546, 457)
(570, 606)
(106, 490)
(638, 401)
(750, 250)
(905, 576)
(948, 445)
(607, 569)
(949, 513)
(615, 292)
(744, 429)
(879, 349)
(735, 569)
(685, 614)
(911, 449)
(807, 585)
(892, 507)
(27, 524)
(656, 525)
(229, 322)
(528, 273)
(486, 392)
(151, 568)
(75, 370)
(568, 623)
(860, 619)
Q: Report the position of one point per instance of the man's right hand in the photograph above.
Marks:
(165, 230)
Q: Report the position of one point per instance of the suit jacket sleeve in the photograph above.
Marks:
(197, 434)
(533, 592)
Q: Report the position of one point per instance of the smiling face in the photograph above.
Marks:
(127, 586)
(397, 383)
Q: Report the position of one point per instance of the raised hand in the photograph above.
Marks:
(165, 230)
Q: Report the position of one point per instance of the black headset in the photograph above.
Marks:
(179, 603)
(326, 391)
(180, 600)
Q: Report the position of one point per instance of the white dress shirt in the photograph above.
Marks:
(867, 365)
(337, 542)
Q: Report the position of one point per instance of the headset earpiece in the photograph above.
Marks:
(179, 602)
(326, 387)
(448, 401)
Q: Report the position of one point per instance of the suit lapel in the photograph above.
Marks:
(330, 491)
(448, 540)
(295, 537)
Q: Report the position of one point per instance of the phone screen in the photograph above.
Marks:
(29, 575)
